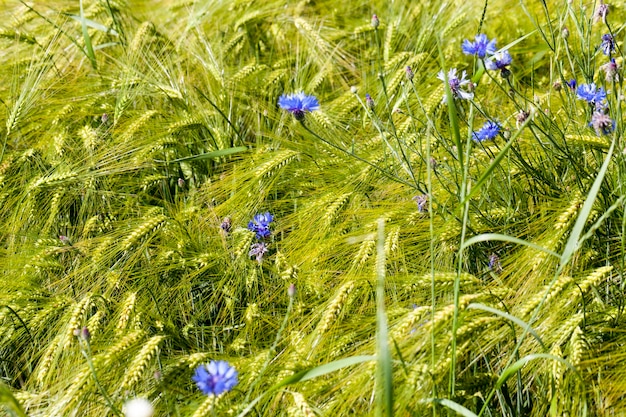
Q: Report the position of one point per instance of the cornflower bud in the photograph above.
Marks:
(409, 73)
(375, 21)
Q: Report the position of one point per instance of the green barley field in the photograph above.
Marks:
(312, 208)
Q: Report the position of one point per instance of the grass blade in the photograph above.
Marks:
(573, 241)
(208, 155)
(10, 403)
(519, 322)
(460, 410)
(384, 380)
(94, 25)
(89, 48)
(310, 374)
(485, 237)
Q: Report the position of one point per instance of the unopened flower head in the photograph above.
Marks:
(521, 117)
(298, 104)
(494, 263)
(226, 225)
(369, 101)
(139, 407)
(481, 47)
(260, 224)
(611, 71)
(215, 378)
(409, 73)
(258, 250)
(591, 94)
(489, 131)
(375, 21)
(601, 13)
(602, 123)
(422, 203)
(608, 44)
(456, 84)
(571, 84)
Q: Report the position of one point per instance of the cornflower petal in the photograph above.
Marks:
(481, 47)
(489, 131)
(215, 378)
(298, 104)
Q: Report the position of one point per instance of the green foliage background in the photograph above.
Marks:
(137, 147)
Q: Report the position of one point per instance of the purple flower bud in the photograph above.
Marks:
(572, 84)
(494, 263)
(84, 334)
(375, 21)
(409, 73)
(611, 71)
(422, 203)
(521, 117)
(601, 13)
(226, 225)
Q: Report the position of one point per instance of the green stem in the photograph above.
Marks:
(87, 354)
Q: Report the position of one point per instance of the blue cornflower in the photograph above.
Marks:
(591, 94)
(481, 47)
(456, 83)
(571, 84)
(602, 123)
(608, 44)
(499, 61)
(489, 131)
(215, 377)
(260, 224)
(298, 104)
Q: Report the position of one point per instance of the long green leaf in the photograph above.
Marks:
(385, 374)
(511, 370)
(460, 410)
(209, 155)
(572, 242)
(89, 48)
(310, 374)
(485, 237)
(521, 323)
(10, 403)
(496, 161)
(94, 25)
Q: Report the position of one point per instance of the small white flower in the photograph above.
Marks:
(139, 407)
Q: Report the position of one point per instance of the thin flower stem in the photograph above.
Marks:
(87, 354)
(382, 171)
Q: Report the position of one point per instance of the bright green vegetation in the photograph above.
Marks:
(135, 130)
